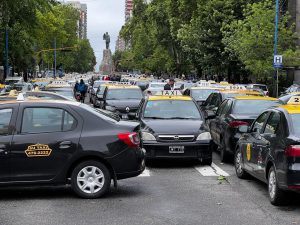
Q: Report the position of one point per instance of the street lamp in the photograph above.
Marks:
(276, 44)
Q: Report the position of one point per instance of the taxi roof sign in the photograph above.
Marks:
(295, 100)
(169, 93)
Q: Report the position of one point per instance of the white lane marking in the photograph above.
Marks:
(211, 171)
(146, 173)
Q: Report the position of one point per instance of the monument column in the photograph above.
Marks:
(106, 66)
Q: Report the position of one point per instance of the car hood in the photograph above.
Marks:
(172, 126)
(122, 104)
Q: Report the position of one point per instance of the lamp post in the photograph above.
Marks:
(6, 72)
(276, 44)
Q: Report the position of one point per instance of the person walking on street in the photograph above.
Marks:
(170, 85)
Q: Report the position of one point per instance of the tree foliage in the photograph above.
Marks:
(33, 25)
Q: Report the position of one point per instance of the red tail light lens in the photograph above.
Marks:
(236, 124)
(293, 150)
(131, 139)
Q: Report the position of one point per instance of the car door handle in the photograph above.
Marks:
(65, 144)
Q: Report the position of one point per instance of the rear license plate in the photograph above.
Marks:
(176, 149)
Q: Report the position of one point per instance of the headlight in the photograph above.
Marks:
(110, 108)
(205, 136)
(148, 137)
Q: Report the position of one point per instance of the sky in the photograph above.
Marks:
(104, 16)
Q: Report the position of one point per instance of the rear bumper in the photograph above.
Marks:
(192, 150)
(129, 163)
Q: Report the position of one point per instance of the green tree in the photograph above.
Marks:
(252, 39)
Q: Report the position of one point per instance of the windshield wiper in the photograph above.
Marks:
(181, 118)
(155, 118)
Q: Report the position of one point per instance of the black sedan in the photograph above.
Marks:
(123, 100)
(59, 142)
(270, 151)
(232, 113)
(172, 127)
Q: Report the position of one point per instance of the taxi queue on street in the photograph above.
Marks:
(46, 137)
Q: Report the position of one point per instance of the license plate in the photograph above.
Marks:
(176, 149)
(125, 116)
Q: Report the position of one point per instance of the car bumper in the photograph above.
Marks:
(129, 163)
(192, 150)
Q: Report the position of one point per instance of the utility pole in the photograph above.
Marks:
(276, 45)
(6, 72)
(54, 70)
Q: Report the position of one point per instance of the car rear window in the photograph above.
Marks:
(201, 94)
(118, 94)
(253, 106)
(262, 87)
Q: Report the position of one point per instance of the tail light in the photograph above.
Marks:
(130, 139)
(236, 124)
(293, 150)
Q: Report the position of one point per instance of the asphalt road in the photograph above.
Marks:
(167, 193)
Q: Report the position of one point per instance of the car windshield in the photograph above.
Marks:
(97, 84)
(253, 106)
(171, 110)
(117, 94)
(201, 94)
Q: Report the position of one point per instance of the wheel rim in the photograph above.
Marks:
(272, 184)
(238, 163)
(90, 179)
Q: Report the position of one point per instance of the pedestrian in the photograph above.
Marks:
(170, 85)
(82, 88)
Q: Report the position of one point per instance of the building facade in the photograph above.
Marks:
(82, 22)
(128, 9)
(120, 44)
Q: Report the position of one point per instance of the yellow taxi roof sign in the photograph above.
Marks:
(295, 100)
(169, 93)
(170, 98)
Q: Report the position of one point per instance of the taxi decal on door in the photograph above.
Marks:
(38, 150)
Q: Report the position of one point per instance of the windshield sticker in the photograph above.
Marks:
(38, 150)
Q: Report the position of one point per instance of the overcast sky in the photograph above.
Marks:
(104, 16)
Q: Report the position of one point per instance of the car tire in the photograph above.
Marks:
(240, 172)
(90, 179)
(276, 195)
(223, 153)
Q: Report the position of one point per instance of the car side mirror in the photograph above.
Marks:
(209, 115)
(244, 129)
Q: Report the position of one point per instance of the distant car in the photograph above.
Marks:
(22, 87)
(13, 80)
(232, 113)
(48, 95)
(262, 87)
(200, 94)
(270, 151)
(286, 98)
(123, 100)
(63, 142)
(154, 87)
(292, 89)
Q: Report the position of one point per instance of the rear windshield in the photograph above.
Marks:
(201, 94)
(262, 87)
(117, 94)
(252, 106)
(296, 124)
(102, 113)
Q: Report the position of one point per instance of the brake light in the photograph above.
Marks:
(131, 139)
(293, 150)
(236, 124)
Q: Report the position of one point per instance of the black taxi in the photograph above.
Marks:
(232, 113)
(121, 99)
(172, 127)
(270, 150)
(58, 142)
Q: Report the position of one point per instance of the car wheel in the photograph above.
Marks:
(90, 179)
(224, 154)
(276, 195)
(238, 159)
